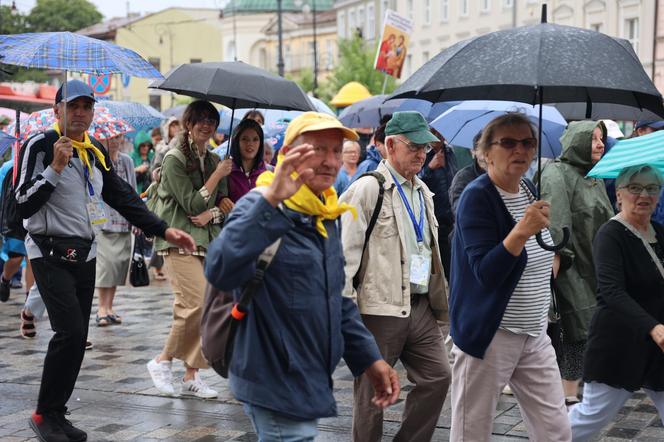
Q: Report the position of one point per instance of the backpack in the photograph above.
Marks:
(374, 216)
(222, 315)
(11, 223)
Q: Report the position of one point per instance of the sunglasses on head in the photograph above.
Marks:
(511, 143)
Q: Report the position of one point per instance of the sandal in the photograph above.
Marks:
(115, 319)
(103, 321)
(571, 400)
(28, 330)
(159, 276)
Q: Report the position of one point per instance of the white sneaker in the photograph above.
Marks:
(196, 387)
(161, 375)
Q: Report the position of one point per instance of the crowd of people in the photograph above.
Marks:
(376, 247)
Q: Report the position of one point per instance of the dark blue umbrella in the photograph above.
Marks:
(367, 112)
(139, 116)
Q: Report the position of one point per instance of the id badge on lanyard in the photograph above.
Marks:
(95, 206)
(420, 265)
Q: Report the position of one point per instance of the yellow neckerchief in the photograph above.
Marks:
(305, 201)
(82, 148)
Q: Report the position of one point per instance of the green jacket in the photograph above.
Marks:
(581, 204)
(176, 197)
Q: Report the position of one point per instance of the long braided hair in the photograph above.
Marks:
(196, 111)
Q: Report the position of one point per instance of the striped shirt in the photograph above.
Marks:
(528, 307)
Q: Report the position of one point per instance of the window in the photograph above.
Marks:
(425, 56)
(597, 27)
(508, 3)
(370, 32)
(632, 32)
(444, 10)
(409, 65)
(230, 54)
(156, 62)
(409, 9)
(341, 24)
(361, 19)
(155, 101)
(195, 60)
(287, 58)
(351, 23)
(329, 49)
(463, 8)
(384, 6)
(485, 5)
(427, 12)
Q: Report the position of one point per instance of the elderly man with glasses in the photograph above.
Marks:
(394, 272)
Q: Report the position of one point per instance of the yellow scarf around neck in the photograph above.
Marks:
(305, 201)
(83, 147)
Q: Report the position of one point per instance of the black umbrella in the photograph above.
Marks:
(236, 85)
(543, 63)
(600, 111)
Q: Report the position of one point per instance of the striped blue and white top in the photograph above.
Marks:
(528, 308)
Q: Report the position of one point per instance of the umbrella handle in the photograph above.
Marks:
(555, 247)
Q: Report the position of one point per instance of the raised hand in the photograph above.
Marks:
(290, 174)
(224, 167)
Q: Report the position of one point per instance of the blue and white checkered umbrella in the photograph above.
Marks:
(139, 116)
(72, 52)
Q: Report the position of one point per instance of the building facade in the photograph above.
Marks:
(439, 24)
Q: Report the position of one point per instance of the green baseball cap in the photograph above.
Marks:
(412, 125)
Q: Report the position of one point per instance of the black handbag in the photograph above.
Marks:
(222, 315)
(138, 272)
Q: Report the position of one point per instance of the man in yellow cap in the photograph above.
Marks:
(299, 325)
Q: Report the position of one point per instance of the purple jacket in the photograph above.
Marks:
(239, 183)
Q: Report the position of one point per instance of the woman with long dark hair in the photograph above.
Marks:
(247, 146)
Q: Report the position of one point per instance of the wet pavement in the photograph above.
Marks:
(115, 400)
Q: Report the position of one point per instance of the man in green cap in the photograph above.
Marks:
(397, 279)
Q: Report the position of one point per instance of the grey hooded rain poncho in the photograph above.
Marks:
(581, 204)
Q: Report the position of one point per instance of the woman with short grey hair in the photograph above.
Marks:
(625, 349)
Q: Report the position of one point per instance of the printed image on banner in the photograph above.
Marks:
(393, 44)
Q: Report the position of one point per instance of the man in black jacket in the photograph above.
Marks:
(62, 184)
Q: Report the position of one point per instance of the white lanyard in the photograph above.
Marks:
(647, 245)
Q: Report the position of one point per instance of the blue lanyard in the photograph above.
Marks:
(418, 226)
(86, 173)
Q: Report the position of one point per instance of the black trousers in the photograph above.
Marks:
(445, 248)
(67, 290)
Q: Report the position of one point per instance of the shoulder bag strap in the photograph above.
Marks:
(374, 217)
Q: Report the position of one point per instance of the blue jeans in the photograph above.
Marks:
(274, 427)
(600, 406)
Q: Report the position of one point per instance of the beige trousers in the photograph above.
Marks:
(418, 342)
(528, 365)
(188, 282)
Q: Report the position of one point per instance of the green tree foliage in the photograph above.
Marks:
(11, 22)
(356, 63)
(62, 15)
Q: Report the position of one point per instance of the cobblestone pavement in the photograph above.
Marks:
(115, 400)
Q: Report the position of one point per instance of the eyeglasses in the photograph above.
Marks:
(637, 189)
(413, 147)
(511, 143)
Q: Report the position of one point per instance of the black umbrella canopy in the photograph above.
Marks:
(565, 64)
(236, 85)
(600, 111)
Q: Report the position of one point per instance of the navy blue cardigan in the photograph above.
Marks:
(485, 273)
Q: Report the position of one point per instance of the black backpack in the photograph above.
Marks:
(11, 223)
(374, 216)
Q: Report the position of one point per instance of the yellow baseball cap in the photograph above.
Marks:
(315, 121)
